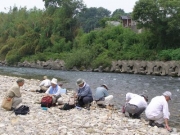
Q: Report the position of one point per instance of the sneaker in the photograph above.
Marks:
(101, 106)
(41, 91)
(130, 115)
(151, 123)
(136, 117)
(78, 107)
(159, 125)
(87, 106)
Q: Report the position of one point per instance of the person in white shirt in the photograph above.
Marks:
(44, 85)
(158, 112)
(136, 106)
(129, 96)
(54, 92)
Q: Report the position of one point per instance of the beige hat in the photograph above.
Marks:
(20, 80)
(54, 81)
(105, 86)
(167, 93)
(45, 77)
(79, 81)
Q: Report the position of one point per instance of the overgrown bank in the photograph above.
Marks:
(57, 33)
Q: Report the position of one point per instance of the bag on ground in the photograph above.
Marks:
(7, 103)
(22, 110)
(70, 105)
(46, 101)
(67, 107)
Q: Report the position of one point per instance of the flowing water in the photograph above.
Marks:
(119, 84)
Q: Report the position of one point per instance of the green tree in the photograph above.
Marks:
(91, 17)
(161, 18)
(117, 13)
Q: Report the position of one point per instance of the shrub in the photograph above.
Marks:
(175, 54)
(78, 58)
(165, 55)
(12, 57)
(102, 60)
(4, 50)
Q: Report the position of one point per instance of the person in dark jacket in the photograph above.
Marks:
(84, 95)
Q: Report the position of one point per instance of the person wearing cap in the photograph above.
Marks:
(129, 96)
(102, 97)
(54, 92)
(158, 112)
(44, 85)
(136, 106)
(84, 94)
(15, 94)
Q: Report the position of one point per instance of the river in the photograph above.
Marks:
(119, 84)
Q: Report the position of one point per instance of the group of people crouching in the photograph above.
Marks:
(157, 111)
(84, 94)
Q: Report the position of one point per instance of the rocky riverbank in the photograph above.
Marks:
(54, 121)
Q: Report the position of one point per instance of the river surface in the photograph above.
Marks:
(119, 84)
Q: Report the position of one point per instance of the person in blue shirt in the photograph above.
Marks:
(84, 94)
(102, 97)
(54, 92)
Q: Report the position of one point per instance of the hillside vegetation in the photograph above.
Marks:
(80, 36)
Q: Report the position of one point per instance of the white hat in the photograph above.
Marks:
(167, 93)
(79, 81)
(54, 81)
(105, 86)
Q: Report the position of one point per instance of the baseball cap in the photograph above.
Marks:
(167, 93)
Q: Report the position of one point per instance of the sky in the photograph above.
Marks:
(111, 5)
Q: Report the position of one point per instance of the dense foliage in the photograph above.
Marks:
(161, 18)
(64, 31)
(90, 18)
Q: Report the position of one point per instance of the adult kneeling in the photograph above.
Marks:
(102, 97)
(158, 112)
(54, 92)
(15, 94)
(84, 95)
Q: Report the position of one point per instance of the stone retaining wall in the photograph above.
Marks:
(170, 68)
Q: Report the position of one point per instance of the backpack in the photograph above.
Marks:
(22, 110)
(67, 107)
(46, 101)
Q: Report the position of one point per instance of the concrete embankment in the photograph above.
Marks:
(169, 68)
